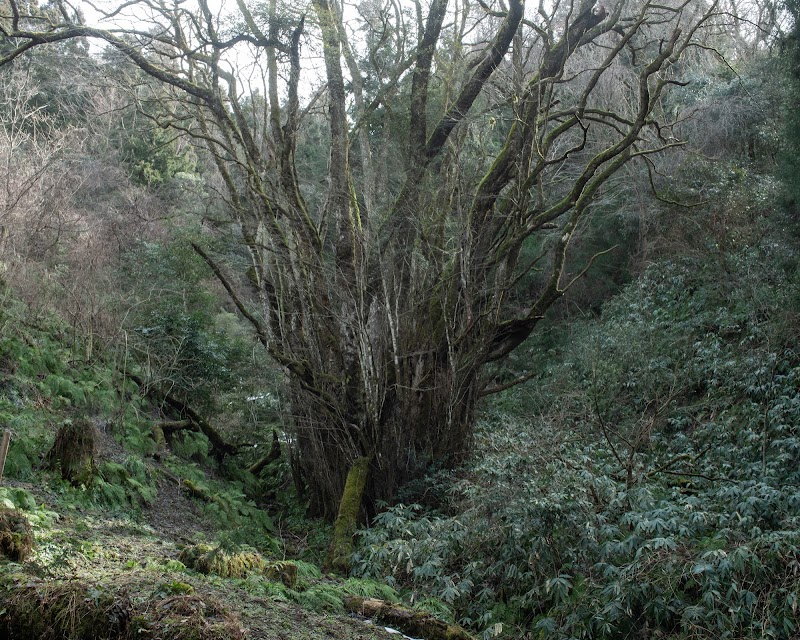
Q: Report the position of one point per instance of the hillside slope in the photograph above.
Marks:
(106, 557)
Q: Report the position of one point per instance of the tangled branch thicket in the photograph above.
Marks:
(391, 294)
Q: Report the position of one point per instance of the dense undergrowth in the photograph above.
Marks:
(646, 484)
(45, 383)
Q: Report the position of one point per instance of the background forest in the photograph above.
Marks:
(542, 369)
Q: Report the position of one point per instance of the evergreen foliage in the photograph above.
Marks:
(173, 320)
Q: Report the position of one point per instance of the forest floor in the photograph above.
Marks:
(134, 557)
(137, 556)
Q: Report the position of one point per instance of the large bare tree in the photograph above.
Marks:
(465, 141)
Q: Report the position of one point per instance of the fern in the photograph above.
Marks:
(370, 589)
(307, 570)
(125, 485)
(321, 597)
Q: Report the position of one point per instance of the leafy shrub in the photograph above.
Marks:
(174, 334)
(646, 486)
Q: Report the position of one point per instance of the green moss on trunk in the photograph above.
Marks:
(342, 544)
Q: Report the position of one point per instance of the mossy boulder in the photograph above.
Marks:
(228, 564)
(73, 452)
(16, 535)
(281, 571)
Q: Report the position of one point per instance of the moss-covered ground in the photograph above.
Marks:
(129, 559)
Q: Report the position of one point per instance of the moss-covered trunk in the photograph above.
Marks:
(342, 544)
(414, 415)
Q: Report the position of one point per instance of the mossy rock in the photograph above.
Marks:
(281, 571)
(186, 617)
(208, 559)
(16, 535)
(69, 611)
(73, 452)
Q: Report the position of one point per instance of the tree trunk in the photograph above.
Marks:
(347, 520)
(422, 417)
(274, 454)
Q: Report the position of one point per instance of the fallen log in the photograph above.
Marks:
(186, 418)
(272, 456)
(413, 623)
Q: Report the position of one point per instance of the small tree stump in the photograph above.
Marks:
(73, 451)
